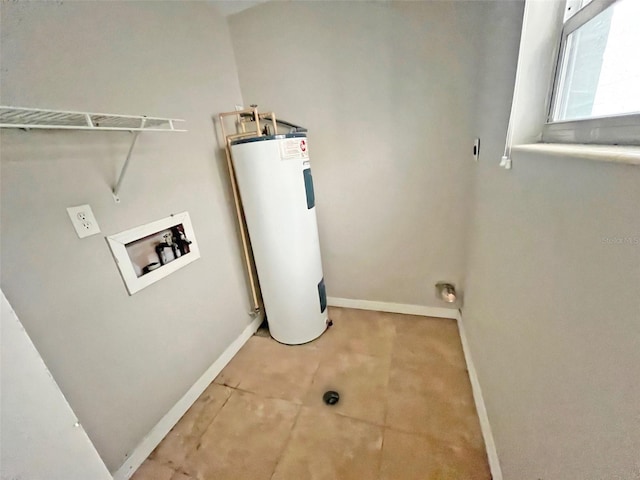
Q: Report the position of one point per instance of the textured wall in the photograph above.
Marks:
(121, 361)
(387, 90)
(552, 306)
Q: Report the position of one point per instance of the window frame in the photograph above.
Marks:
(623, 129)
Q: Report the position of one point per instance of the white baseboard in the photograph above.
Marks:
(439, 312)
(490, 445)
(160, 430)
(492, 454)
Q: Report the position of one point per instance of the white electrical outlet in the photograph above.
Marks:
(83, 220)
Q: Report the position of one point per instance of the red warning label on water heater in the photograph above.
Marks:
(291, 148)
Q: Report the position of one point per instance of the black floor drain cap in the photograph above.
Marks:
(331, 397)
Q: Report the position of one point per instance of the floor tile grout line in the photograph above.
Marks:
(180, 469)
(428, 436)
(394, 344)
(386, 401)
(340, 414)
(286, 443)
(268, 397)
(430, 362)
(176, 468)
(313, 377)
(394, 360)
(306, 403)
(381, 453)
(322, 357)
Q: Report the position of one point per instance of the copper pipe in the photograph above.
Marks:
(272, 117)
(243, 231)
(239, 210)
(241, 123)
(241, 135)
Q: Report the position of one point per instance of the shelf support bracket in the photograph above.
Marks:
(116, 189)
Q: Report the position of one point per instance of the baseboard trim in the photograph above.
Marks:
(425, 311)
(490, 445)
(160, 430)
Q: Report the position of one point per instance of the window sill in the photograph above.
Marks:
(629, 155)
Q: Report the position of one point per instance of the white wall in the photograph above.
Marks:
(556, 352)
(552, 312)
(387, 90)
(121, 361)
(40, 437)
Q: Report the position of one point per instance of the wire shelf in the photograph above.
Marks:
(27, 118)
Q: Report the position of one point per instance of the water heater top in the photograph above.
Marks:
(269, 137)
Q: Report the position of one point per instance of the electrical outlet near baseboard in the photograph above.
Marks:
(83, 220)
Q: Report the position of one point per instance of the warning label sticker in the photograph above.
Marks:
(291, 148)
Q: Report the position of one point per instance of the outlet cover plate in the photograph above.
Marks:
(83, 220)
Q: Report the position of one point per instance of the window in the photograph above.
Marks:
(596, 94)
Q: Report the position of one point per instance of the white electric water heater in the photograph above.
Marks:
(274, 177)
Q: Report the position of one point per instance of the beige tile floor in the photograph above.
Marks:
(406, 410)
